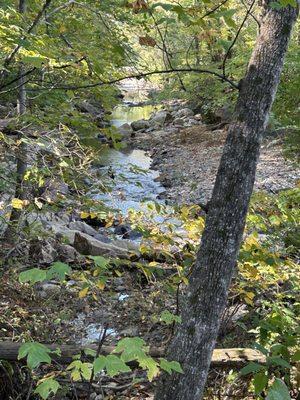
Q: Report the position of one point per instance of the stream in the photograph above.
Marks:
(133, 186)
(133, 182)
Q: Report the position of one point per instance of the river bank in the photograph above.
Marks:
(186, 152)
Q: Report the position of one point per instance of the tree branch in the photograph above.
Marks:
(17, 78)
(139, 76)
(236, 37)
(37, 19)
(214, 9)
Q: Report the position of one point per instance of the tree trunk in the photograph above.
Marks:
(21, 152)
(206, 296)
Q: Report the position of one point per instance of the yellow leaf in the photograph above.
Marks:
(185, 280)
(101, 285)
(93, 215)
(252, 272)
(249, 296)
(17, 203)
(153, 264)
(62, 29)
(248, 301)
(251, 241)
(84, 215)
(109, 224)
(83, 292)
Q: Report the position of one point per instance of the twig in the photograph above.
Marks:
(214, 9)
(29, 390)
(253, 16)
(236, 37)
(16, 79)
(102, 338)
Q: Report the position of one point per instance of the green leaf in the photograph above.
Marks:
(131, 349)
(36, 354)
(296, 357)
(33, 276)
(278, 5)
(36, 61)
(260, 381)
(114, 365)
(261, 348)
(286, 3)
(275, 5)
(277, 360)
(99, 364)
(165, 6)
(89, 352)
(170, 366)
(100, 262)
(251, 368)
(167, 317)
(151, 366)
(58, 270)
(80, 370)
(46, 387)
(278, 391)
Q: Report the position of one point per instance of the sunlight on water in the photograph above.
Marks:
(126, 114)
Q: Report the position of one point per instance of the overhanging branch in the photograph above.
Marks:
(139, 76)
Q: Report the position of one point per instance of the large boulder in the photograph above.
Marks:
(140, 125)
(88, 245)
(67, 253)
(161, 117)
(125, 130)
(82, 227)
(184, 112)
(63, 232)
(178, 121)
(95, 110)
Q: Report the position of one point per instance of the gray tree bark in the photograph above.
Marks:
(206, 296)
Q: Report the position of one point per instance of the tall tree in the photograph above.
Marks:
(206, 296)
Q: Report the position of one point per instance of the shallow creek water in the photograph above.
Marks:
(133, 185)
(133, 181)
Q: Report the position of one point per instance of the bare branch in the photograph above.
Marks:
(17, 78)
(214, 9)
(138, 76)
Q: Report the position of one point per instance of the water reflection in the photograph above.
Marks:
(126, 113)
(128, 171)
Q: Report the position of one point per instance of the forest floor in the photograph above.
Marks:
(133, 300)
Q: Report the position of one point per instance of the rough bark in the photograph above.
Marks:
(206, 296)
(223, 358)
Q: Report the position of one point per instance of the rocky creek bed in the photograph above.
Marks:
(186, 153)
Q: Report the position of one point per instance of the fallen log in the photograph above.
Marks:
(235, 357)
